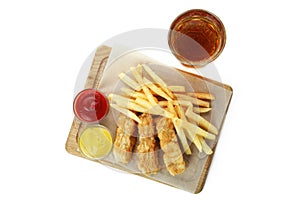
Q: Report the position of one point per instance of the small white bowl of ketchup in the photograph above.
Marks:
(90, 106)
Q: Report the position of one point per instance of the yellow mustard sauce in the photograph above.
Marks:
(95, 142)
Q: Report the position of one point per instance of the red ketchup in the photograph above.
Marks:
(90, 105)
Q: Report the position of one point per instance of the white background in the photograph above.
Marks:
(42, 47)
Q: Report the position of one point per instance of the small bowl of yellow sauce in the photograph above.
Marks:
(95, 142)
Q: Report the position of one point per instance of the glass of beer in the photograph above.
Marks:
(196, 37)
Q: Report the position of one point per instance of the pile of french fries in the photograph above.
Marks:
(157, 98)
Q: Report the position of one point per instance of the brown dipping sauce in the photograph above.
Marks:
(197, 37)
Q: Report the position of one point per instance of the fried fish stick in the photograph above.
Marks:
(168, 141)
(147, 148)
(125, 140)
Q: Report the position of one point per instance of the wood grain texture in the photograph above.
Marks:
(94, 77)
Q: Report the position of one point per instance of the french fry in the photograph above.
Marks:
(181, 136)
(139, 69)
(201, 95)
(127, 91)
(168, 92)
(196, 109)
(193, 100)
(126, 103)
(184, 102)
(156, 89)
(154, 110)
(132, 93)
(194, 138)
(171, 109)
(126, 112)
(137, 75)
(197, 130)
(176, 102)
(205, 147)
(163, 103)
(154, 76)
(149, 95)
(180, 112)
(177, 88)
(158, 80)
(145, 89)
(143, 103)
(131, 83)
(201, 121)
(116, 98)
(199, 110)
(191, 136)
(157, 110)
(134, 107)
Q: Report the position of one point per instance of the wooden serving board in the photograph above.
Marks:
(93, 80)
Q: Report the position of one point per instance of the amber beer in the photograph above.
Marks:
(197, 37)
